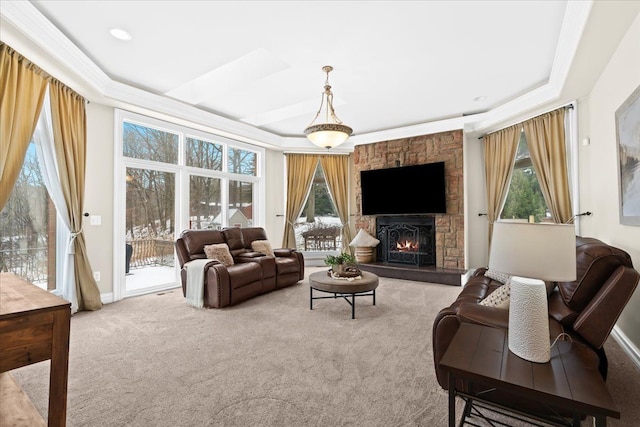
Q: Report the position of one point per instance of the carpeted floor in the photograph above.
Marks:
(154, 361)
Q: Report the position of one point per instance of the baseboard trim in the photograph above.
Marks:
(627, 345)
(107, 298)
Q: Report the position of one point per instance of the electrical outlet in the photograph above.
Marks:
(96, 276)
(95, 220)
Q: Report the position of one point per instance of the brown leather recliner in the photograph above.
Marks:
(587, 308)
(252, 274)
(289, 263)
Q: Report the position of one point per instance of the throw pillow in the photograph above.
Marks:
(498, 298)
(497, 276)
(262, 246)
(219, 252)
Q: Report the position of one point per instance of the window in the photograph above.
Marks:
(28, 227)
(524, 199)
(318, 228)
(141, 142)
(172, 178)
(204, 154)
(242, 161)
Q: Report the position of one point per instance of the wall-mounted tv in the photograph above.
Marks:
(418, 189)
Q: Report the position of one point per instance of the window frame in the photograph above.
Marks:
(183, 174)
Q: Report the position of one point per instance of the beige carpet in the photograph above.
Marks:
(154, 361)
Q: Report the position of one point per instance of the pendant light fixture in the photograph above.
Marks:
(326, 130)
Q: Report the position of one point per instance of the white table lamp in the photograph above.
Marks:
(532, 253)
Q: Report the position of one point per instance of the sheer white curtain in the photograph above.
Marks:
(43, 138)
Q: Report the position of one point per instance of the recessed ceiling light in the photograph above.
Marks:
(480, 98)
(120, 34)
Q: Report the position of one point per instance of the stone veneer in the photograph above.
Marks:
(443, 146)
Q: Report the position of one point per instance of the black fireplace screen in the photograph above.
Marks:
(406, 240)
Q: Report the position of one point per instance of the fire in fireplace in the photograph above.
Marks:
(406, 240)
(408, 246)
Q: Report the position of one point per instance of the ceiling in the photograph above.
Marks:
(396, 64)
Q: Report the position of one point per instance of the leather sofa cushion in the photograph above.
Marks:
(287, 265)
(195, 241)
(234, 239)
(251, 234)
(596, 261)
(244, 274)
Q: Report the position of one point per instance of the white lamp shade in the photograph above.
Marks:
(541, 251)
(532, 253)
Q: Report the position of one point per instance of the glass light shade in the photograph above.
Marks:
(332, 132)
(328, 135)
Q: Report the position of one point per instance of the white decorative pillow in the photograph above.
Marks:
(498, 298)
(262, 246)
(219, 252)
(497, 276)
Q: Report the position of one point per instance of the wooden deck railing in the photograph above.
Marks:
(152, 252)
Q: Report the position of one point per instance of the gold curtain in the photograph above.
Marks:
(69, 135)
(22, 88)
(300, 171)
(336, 173)
(546, 141)
(499, 155)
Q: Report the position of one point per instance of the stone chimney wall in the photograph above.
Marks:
(440, 147)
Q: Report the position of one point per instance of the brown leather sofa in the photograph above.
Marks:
(253, 273)
(587, 308)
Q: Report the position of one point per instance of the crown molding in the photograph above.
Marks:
(575, 20)
(34, 26)
(150, 102)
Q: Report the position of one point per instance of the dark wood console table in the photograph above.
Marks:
(34, 326)
(480, 358)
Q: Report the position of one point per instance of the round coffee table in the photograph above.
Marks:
(322, 282)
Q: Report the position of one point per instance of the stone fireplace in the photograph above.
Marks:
(406, 240)
(448, 229)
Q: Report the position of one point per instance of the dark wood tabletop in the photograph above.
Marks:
(570, 380)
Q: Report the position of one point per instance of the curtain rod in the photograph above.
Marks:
(568, 106)
(315, 153)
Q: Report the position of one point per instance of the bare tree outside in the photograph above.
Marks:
(150, 195)
(24, 226)
(204, 192)
(241, 192)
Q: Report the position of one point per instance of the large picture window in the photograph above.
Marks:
(173, 178)
(318, 228)
(28, 227)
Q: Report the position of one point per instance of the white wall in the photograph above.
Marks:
(274, 200)
(599, 180)
(475, 203)
(99, 194)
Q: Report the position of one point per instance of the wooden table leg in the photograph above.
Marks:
(59, 369)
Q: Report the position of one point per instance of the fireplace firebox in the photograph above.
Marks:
(406, 240)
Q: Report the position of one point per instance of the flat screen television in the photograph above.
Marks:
(418, 189)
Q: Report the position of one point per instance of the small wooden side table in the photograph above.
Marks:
(34, 326)
(479, 356)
